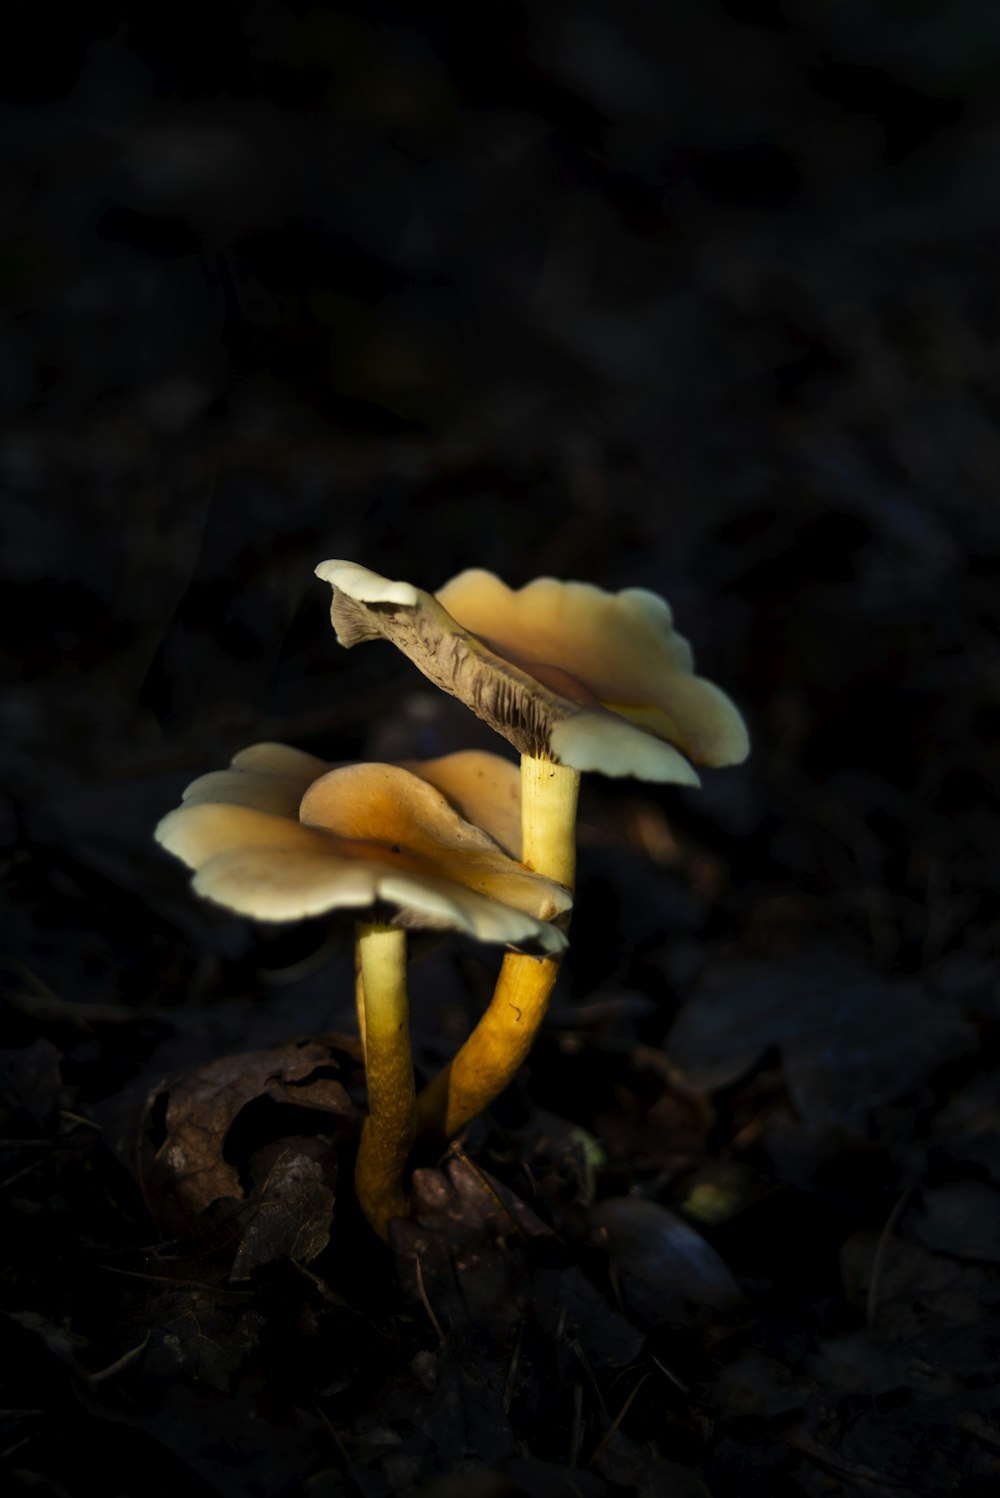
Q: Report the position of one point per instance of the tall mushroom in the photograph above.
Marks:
(273, 839)
(576, 679)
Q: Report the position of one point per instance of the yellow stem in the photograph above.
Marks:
(549, 795)
(359, 995)
(493, 1052)
(387, 1135)
(498, 1045)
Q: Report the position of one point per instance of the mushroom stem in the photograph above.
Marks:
(488, 1060)
(549, 794)
(359, 997)
(387, 1134)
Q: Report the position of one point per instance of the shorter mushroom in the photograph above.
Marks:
(576, 679)
(279, 836)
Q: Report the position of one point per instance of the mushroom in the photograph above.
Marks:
(279, 835)
(482, 787)
(576, 679)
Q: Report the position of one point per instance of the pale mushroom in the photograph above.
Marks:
(482, 787)
(576, 679)
(280, 836)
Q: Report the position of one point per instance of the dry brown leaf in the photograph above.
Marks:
(245, 1147)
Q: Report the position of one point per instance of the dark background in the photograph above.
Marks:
(689, 295)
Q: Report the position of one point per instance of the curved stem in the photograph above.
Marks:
(387, 1135)
(498, 1045)
(487, 1061)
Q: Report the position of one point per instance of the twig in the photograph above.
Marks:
(103, 1374)
(855, 1473)
(576, 1429)
(458, 1153)
(612, 1430)
(354, 1476)
(673, 1377)
(878, 1263)
(515, 1363)
(435, 1323)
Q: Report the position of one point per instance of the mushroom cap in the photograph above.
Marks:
(268, 777)
(482, 787)
(595, 680)
(366, 837)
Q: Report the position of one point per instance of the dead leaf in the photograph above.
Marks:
(918, 1292)
(968, 1127)
(669, 1275)
(30, 1084)
(228, 1153)
(288, 1212)
(962, 1219)
(486, 1254)
(207, 1336)
(850, 1039)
